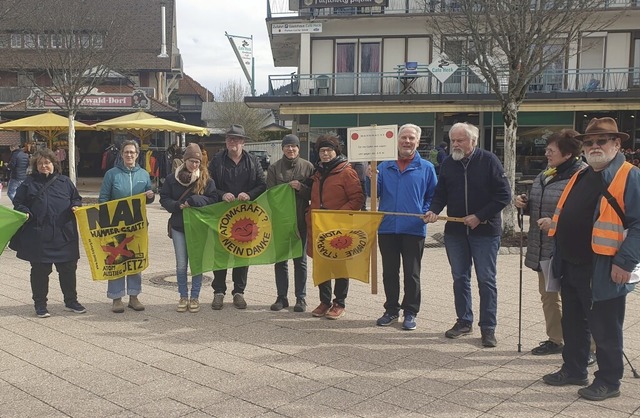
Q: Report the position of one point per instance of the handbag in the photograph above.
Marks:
(182, 196)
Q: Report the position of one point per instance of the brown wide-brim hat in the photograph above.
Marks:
(236, 130)
(602, 126)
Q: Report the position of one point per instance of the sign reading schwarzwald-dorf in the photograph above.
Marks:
(135, 100)
(305, 4)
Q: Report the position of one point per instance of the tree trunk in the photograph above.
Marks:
(72, 147)
(510, 115)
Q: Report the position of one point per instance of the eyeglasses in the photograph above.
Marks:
(129, 153)
(600, 142)
(195, 162)
(325, 150)
(290, 146)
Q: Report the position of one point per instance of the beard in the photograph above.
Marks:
(599, 159)
(457, 154)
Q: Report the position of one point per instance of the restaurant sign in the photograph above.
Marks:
(135, 100)
(306, 4)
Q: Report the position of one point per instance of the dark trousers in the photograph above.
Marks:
(299, 272)
(40, 281)
(339, 290)
(238, 275)
(410, 248)
(581, 317)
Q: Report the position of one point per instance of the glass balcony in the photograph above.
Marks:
(463, 81)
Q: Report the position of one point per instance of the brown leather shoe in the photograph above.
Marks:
(335, 312)
(321, 310)
(135, 304)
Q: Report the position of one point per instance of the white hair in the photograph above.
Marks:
(411, 126)
(472, 131)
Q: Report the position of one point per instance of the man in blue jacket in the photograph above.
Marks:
(17, 167)
(405, 185)
(473, 187)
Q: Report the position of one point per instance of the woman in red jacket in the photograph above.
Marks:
(336, 186)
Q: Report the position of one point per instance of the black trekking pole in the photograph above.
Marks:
(635, 373)
(521, 225)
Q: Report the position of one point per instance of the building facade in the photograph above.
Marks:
(374, 62)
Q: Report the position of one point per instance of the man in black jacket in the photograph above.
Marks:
(17, 167)
(238, 176)
(473, 187)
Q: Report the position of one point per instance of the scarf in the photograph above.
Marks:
(551, 172)
(185, 177)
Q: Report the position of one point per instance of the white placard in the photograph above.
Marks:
(442, 68)
(284, 28)
(369, 143)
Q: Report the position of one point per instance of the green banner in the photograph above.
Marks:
(10, 221)
(237, 234)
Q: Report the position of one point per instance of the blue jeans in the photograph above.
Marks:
(12, 187)
(180, 247)
(463, 251)
(299, 272)
(116, 288)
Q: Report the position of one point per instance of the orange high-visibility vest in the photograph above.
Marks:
(607, 234)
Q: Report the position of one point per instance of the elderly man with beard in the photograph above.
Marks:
(473, 187)
(594, 259)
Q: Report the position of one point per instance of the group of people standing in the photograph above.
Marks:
(583, 215)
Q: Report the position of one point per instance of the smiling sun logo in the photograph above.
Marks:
(341, 243)
(245, 230)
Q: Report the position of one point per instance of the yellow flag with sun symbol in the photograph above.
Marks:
(342, 242)
(238, 234)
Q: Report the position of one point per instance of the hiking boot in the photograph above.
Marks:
(301, 305)
(598, 392)
(42, 312)
(546, 348)
(182, 305)
(409, 323)
(335, 312)
(459, 329)
(239, 302)
(280, 303)
(75, 307)
(321, 310)
(562, 378)
(118, 306)
(592, 359)
(218, 301)
(135, 304)
(194, 305)
(387, 319)
(488, 338)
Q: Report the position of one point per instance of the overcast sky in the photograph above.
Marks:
(207, 55)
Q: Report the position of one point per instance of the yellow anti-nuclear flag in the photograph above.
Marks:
(115, 237)
(342, 243)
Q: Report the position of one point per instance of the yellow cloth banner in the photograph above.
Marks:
(342, 243)
(115, 237)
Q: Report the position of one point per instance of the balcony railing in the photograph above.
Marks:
(463, 81)
(280, 8)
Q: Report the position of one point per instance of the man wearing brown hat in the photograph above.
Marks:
(238, 176)
(596, 227)
(293, 170)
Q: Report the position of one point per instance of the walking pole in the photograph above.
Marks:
(521, 225)
(635, 373)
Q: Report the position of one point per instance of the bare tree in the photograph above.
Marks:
(510, 43)
(230, 108)
(70, 47)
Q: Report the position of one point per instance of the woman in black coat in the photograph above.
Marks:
(50, 235)
(189, 186)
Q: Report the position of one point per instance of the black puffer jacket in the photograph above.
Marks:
(543, 199)
(171, 192)
(18, 165)
(51, 233)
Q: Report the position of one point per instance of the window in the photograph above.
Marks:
(97, 40)
(636, 62)
(16, 40)
(56, 41)
(43, 41)
(29, 40)
(5, 40)
(85, 40)
(345, 64)
(370, 63)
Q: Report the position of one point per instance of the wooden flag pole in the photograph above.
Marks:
(374, 207)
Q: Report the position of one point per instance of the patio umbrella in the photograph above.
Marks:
(49, 125)
(143, 126)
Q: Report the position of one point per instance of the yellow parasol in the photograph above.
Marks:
(49, 125)
(143, 125)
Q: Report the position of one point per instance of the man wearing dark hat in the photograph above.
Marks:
(596, 227)
(17, 166)
(293, 170)
(238, 176)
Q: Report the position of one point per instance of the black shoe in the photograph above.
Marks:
(598, 392)
(281, 303)
(489, 338)
(561, 378)
(592, 359)
(546, 348)
(300, 306)
(459, 329)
